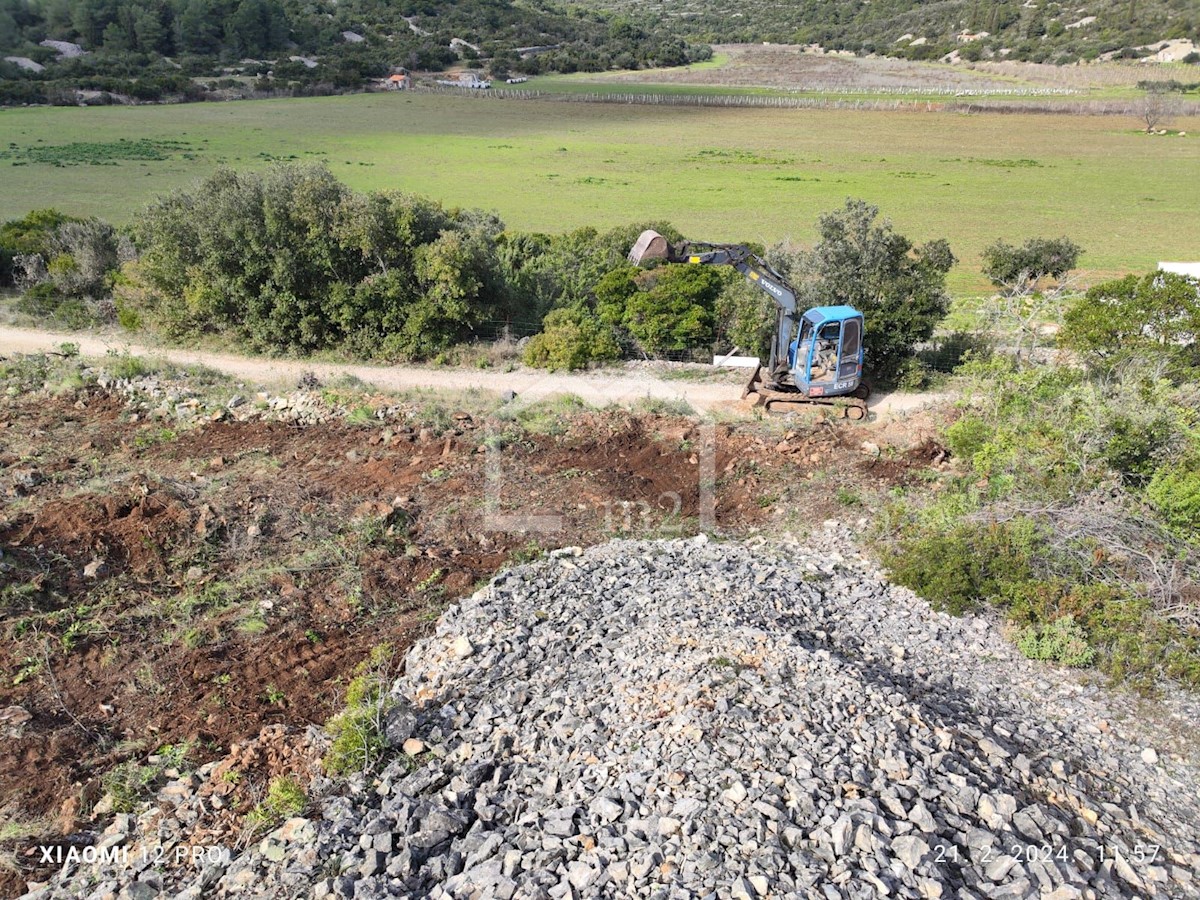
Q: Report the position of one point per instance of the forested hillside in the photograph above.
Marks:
(154, 49)
(920, 29)
(148, 48)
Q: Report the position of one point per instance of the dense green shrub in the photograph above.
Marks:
(1082, 475)
(292, 260)
(1055, 432)
(357, 732)
(1018, 268)
(27, 236)
(745, 318)
(666, 308)
(969, 565)
(1174, 491)
(900, 288)
(1061, 641)
(1155, 317)
(571, 339)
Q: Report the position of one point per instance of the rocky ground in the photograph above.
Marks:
(692, 718)
(192, 566)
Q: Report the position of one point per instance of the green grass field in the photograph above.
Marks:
(719, 174)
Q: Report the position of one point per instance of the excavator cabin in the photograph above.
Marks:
(826, 356)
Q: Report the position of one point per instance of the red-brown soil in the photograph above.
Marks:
(240, 570)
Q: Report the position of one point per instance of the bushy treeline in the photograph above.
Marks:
(1038, 32)
(150, 49)
(1078, 507)
(293, 261)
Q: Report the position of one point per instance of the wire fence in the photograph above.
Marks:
(943, 353)
(1024, 100)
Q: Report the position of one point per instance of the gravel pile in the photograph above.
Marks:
(685, 718)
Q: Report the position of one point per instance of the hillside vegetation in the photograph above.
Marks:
(1042, 32)
(156, 50)
(150, 50)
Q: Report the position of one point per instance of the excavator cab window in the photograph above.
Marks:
(825, 353)
(801, 345)
(851, 344)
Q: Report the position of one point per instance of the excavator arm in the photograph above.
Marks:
(779, 390)
(652, 245)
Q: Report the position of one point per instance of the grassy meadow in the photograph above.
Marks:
(719, 174)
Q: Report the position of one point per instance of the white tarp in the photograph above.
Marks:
(1191, 269)
(737, 362)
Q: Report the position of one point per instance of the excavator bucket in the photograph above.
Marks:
(650, 245)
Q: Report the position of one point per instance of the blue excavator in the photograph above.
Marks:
(816, 356)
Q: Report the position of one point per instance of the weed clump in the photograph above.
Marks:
(132, 781)
(357, 732)
(1060, 641)
(125, 366)
(285, 799)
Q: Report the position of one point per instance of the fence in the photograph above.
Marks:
(957, 100)
(941, 354)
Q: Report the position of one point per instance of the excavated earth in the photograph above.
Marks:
(181, 573)
(672, 718)
(695, 719)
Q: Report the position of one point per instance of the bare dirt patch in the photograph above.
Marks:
(195, 585)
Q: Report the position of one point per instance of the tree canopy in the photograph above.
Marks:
(899, 287)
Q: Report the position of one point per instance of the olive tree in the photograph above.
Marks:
(899, 287)
(1156, 109)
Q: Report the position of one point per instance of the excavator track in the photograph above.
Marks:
(777, 402)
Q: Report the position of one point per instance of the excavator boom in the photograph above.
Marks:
(778, 390)
(653, 246)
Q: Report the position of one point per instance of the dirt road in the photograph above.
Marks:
(596, 388)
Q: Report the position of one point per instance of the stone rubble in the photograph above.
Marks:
(699, 719)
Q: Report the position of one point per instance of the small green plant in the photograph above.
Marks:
(274, 696)
(132, 781)
(30, 666)
(526, 553)
(68, 384)
(1061, 641)
(252, 624)
(361, 415)
(76, 632)
(174, 756)
(68, 349)
(285, 799)
(153, 437)
(430, 580)
(357, 736)
(312, 636)
(662, 406)
(126, 366)
(847, 497)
